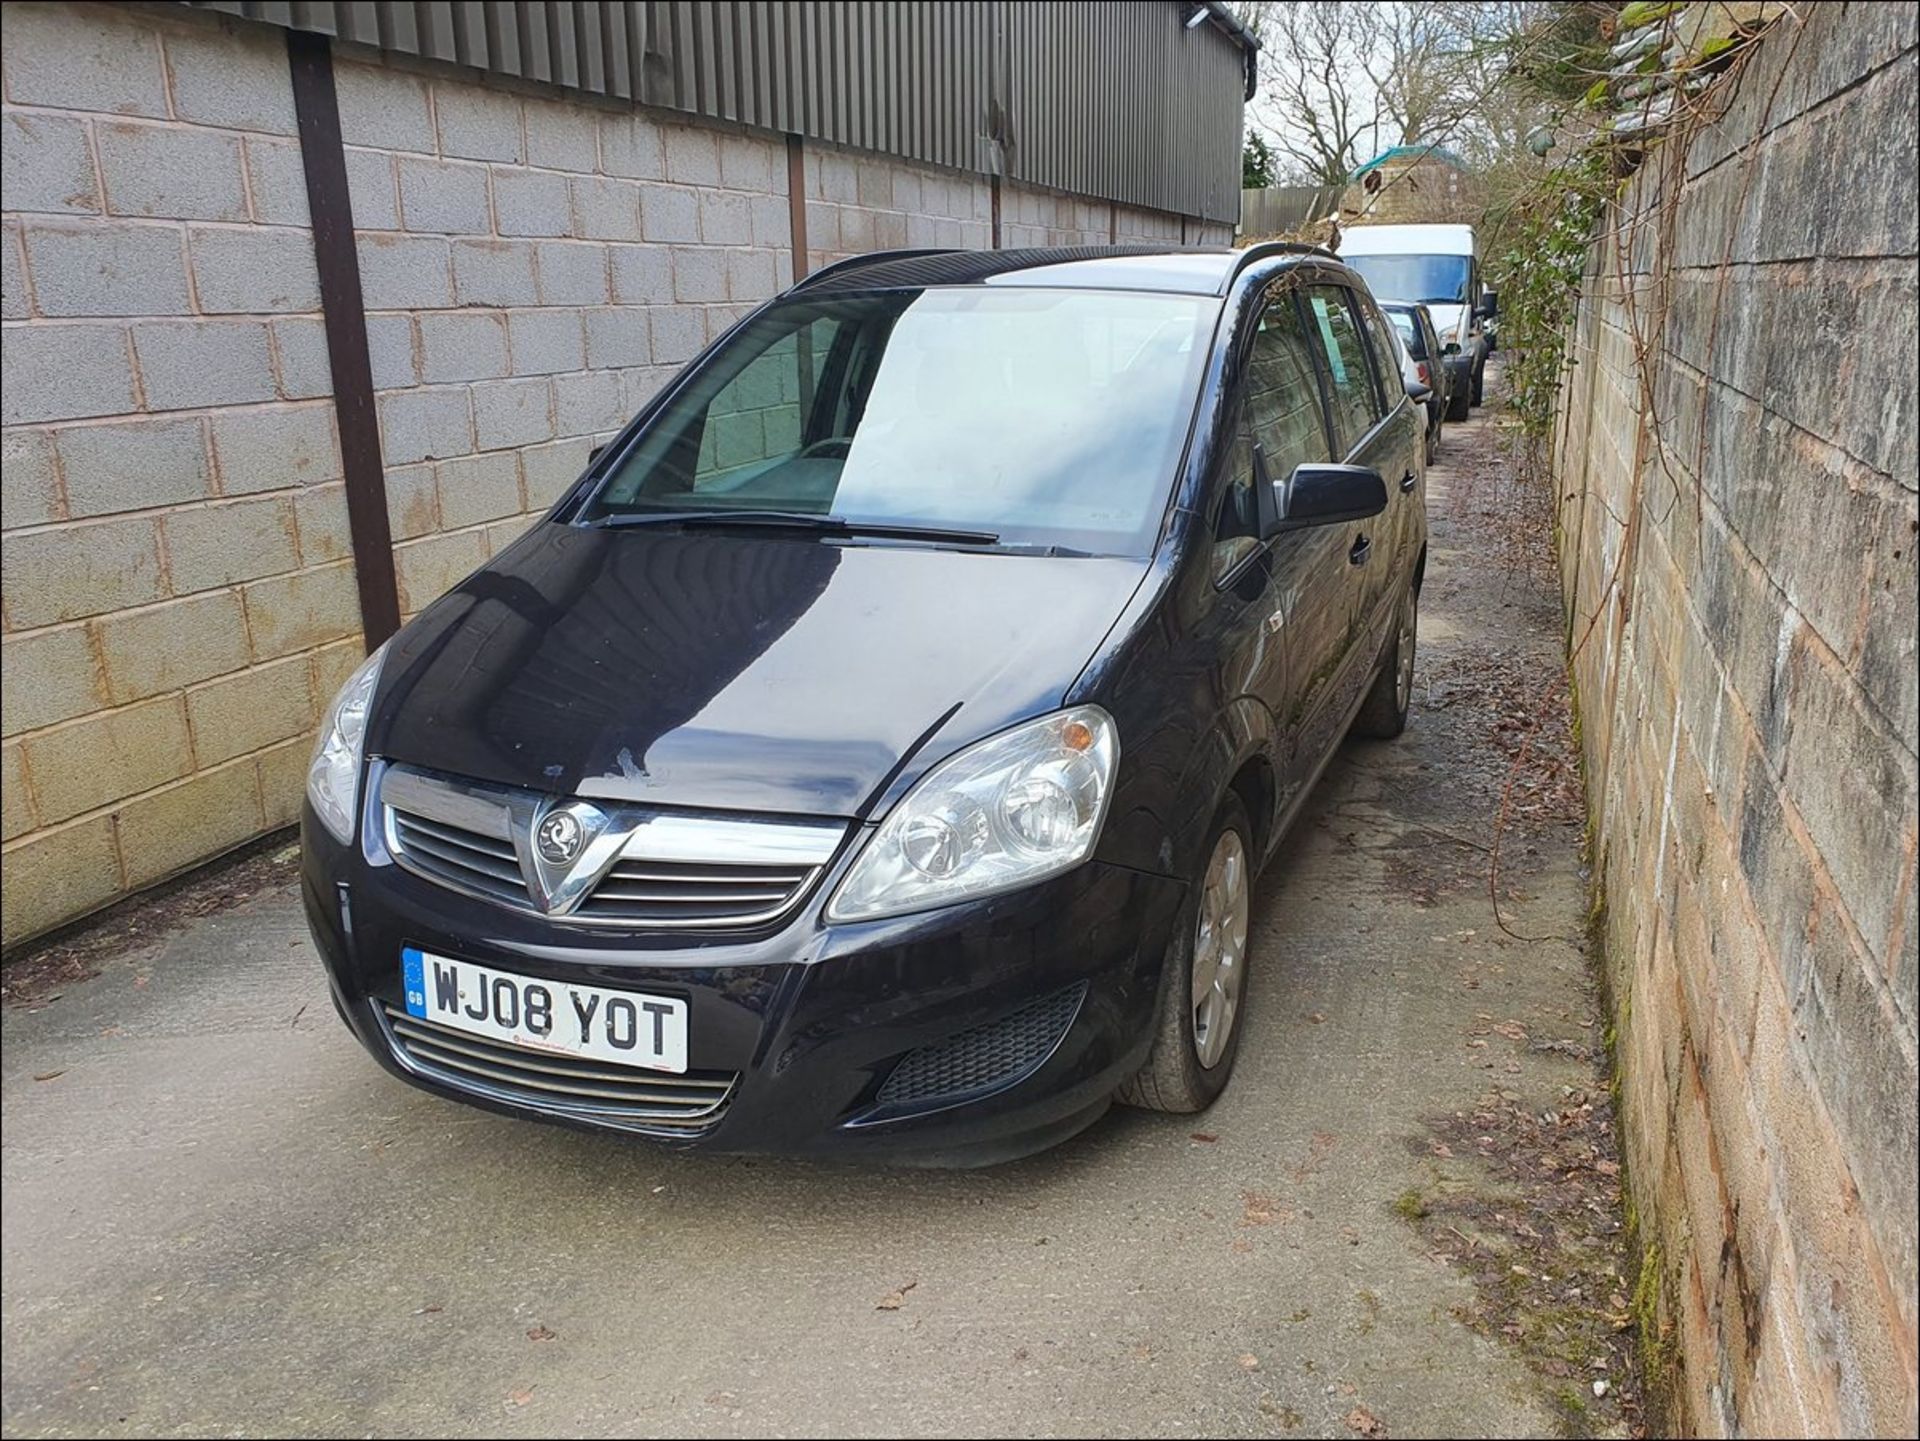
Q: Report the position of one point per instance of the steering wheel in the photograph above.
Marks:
(834, 447)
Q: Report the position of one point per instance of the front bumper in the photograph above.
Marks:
(810, 1019)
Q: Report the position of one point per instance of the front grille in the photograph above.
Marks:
(578, 1087)
(985, 1057)
(667, 869)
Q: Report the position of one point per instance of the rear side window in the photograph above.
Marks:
(1337, 331)
(1386, 354)
(1410, 333)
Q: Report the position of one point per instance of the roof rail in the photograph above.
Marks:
(860, 262)
(1267, 249)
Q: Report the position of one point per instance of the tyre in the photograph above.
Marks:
(1203, 993)
(1479, 383)
(1383, 715)
(1457, 399)
(1433, 442)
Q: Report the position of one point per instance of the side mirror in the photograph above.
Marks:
(1326, 495)
(1417, 391)
(1489, 304)
(1452, 347)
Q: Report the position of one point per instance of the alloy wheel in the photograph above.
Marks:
(1220, 948)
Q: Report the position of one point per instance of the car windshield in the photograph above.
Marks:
(1409, 333)
(1036, 417)
(1424, 279)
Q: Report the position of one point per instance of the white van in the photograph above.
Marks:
(1437, 266)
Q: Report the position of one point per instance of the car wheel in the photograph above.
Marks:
(1457, 400)
(1433, 442)
(1479, 378)
(1383, 715)
(1203, 992)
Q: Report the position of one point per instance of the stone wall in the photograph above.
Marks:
(1740, 539)
(178, 600)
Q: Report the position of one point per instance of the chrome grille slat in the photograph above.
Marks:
(656, 1100)
(673, 869)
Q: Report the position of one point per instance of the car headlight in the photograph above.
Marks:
(1016, 807)
(333, 777)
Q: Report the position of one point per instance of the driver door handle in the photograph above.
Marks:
(1362, 548)
(1408, 481)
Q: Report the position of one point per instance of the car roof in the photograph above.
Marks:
(1408, 240)
(1198, 271)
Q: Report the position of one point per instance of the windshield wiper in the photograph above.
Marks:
(798, 520)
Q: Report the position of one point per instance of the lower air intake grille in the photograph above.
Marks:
(985, 1057)
(587, 1089)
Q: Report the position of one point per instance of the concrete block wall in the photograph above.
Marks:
(534, 270)
(177, 594)
(1741, 578)
(179, 599)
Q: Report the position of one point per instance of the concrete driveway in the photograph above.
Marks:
(221, 1217)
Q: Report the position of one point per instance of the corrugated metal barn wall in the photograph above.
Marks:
(1116, 101)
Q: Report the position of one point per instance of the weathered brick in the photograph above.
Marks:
(531, 202)
(413, 502)
(512, 412)
(214, 545)
(478, 488)
(233, 78)
(561, 136)
(478, 124)
(643, 382)
(29, 488)
(133, 464)
(383, 108)
(246, 272)
(171, 173)
(588, 403)
(618, 337)
(320, 519)
(274, 447)
(549, 470)
(642, 274)
(503, 533)
(86, 270)
(699, 274)
(430, 567)
(302, 609)
(301, 358)
(13, 275)
(630, 146)
(425, 425)
(390, 347)
(693, 155)
(725, 219)
(670, 213)
(93, 762)
(679, 332)
(283, 781)
(605, 209)
(405, 272)
(277, 181)
(47, 164)
(772, 221)
(751, 275)
(572, 273)
(372, 191)
(16, 809)
(250, 710)
(91, 58)
(449, 198)
(195, 820)
(748, 163)
(56, 876)
(165, 647)
(462, 346)
(546, 341)
(77, 570)
(494, 272)
(48, 676)
(203, 362)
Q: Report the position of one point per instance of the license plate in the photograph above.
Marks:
(624, 1027)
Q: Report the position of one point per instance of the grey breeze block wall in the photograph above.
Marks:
(1739, 560)
(177, 596)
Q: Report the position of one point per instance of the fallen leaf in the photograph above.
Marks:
(1317, 1017)
(1349, 1235)
(1442, 1150)
(1362, 1420)
(1512, 1030)
(1207, 1137)
(520, 1397)
(1242, 1245)
(1607, 1168)
(541, 1333)
(1249, 1362)
(49, 1075)
(1347, 1388)
(429, 1311)
(1257, 1209)
(894, 1300)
